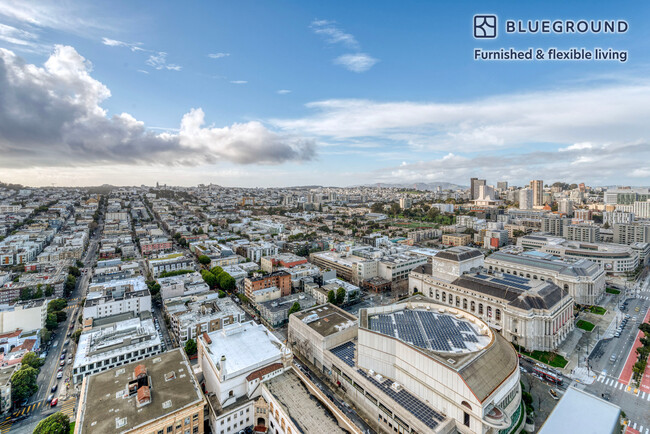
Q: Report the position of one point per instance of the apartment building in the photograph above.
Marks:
(117, 296)
(158, 394)
(456, 239)
(631, 233)
(282, 260)
(280, 279)
(171, 262)
(584, 233)
(153, 245)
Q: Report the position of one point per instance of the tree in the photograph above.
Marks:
(221, 294)
(394, 209)
(377, 207)
(50, 322)
(75, 336)
(204, 260)
(70, 284)
(216, 270)
(23, 383)
(79, 264)
(49, 290)
(340, 296)
(31, 359)
(61, 315)
(226, 282)
(190, 347)
(56, 304)
(295, 307)
(46, 335)
(209, 278)
(74, 271)
(331, 297)
(57, 423)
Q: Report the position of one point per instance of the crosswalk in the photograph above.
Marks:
(28, 409)
(615, 384)
(5, 426)
(638, 428)
(67, 408)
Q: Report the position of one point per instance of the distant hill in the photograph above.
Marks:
(430, 186)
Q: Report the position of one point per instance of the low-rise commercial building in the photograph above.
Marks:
(158, 394)
(279, 279)
(456, 239)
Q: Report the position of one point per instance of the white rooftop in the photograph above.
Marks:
(247, 346)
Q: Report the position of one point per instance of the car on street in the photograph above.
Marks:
(62, 363)
(54, 402)
(59, 375)
(62, 356)
(50, 398)
(56, 386)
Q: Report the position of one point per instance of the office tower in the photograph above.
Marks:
(475, 183)
(525, 198)
(538, 192)
(502, 185)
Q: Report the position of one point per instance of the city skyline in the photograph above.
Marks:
(316, 95)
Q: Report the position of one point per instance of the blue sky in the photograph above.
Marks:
(331, 93)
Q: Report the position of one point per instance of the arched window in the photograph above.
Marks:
(457, 301)
(465, 303)
(498, 314)
(528, 275)
(489, 311)
(444, 296)
(473, 306)
(480, 308)
(437, 294)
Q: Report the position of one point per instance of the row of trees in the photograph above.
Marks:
(217, 278)
(55, 313)
(57, 423)
(23, 381)
(336, 298)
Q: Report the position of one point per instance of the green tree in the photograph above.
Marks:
(57, 423)
(226, 282)
(79, 264)
(190, 347)
(51, 322)
(23, 383)
(46, 335)
(61, 315)
(204, 260)
(75, 336)
(31, 359)
(209, 278)
(221, 294)
(74, 271)
(331, 297)
(394, 209)
(340, 296)
(56, 304)
(295, 307)
(377, 207)
(49, 290)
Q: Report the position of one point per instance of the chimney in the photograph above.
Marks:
(207, 339)
(222, 363)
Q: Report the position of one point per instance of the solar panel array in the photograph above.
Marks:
(508, 280)
(345, 352)
(409, 402)
(425, 329)
(510, 283)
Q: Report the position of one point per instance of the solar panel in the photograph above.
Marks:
(345, 352)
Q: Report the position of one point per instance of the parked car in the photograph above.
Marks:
(62, 362)
(59, 375)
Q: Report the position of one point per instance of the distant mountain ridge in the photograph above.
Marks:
(425, 186)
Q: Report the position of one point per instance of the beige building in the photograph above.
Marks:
(533, 313)
(157, 394)
(456, 239)
(538, 192)
(25, 315)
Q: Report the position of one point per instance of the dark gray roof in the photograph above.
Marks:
(458, 254)
(544, 296)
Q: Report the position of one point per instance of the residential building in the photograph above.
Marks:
(234, 362)
(456, 239)
(536, 314)
(276, 312)
(153, 245)
(584, 233)
(189, 316)
(631, 233)
(502, 185)
(280, 279)
(402, 368)
(618, 217)
(5, 388)
(537, 186)
(475, 184)
(554, 224)
(158, 394)
(641, 209)
(115, 341)
(582, 279)
(526, 198)
(25, 315)
(282, 260)
(405, 202)
(566, 207)
(182, 285)
(117, 296)
(583, 214)
(171, 262)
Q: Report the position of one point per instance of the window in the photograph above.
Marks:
(187, 420)
(465, 419)
(480, 308)
(498, 314)
(170, 428)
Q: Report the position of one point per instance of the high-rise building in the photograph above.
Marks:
(538, 192)
(502, 185)
(525, 198)
(566, 207)
(475, 184)
(405, 202)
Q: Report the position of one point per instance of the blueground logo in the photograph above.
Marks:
(485, 26)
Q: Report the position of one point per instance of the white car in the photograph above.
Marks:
(59, 375)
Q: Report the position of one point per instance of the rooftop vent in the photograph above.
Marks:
(167, 404)
(451, 361)
(170, 376)
(120, 422)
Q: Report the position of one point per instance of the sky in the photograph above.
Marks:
(339, 93)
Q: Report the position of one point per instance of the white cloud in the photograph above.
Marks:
(595, 115)
(218, 55)
(577, 147)
(53, 15)
(358, 62)
(333, 34)
(16, 36)
(159, 61)
(239, 82)
(283, 91)
(133, 46)
(143, 71)
(52, 116)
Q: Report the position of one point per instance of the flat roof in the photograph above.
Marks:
(326, 319)
(105, 407)
(245, 345)
(304, 410)
(596, 415)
